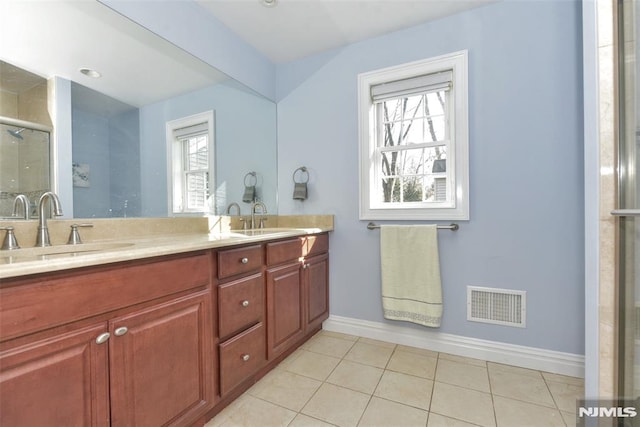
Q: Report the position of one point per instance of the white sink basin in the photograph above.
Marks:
(51, 252)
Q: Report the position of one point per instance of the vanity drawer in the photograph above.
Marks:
(241, 356)
(315, 244)
(232, 262)
(33, 304)
(293, 249)
(240, 304)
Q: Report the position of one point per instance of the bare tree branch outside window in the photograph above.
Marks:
(407, 163)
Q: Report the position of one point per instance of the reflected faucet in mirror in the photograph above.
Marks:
(42, 239)
(23, 200)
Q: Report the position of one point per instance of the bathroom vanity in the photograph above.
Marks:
(150, 337)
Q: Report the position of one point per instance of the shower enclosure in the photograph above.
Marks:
(25, 154)
(628, 200)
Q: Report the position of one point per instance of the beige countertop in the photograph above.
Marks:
(142, 238)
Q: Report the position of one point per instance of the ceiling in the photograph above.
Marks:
(294, 29)
(57, 38)
(139, 68)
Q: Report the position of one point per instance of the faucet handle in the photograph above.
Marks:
(262, 220)
(10, 241)
(74, 236)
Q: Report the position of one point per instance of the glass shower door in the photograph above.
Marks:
(629, 200)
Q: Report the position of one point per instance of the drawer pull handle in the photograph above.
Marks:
(245, 303)
(244, 260)
(121, 331)
(246, 357)
(102, 338)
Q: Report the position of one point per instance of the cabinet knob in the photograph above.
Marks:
(102, 338)
(245, 303)
(246, 357)
(244, 260)
(121, 331)
(305, 266)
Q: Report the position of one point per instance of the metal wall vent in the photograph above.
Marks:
(498, 306)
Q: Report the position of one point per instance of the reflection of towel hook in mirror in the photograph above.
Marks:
(300, 187)
(250, 187)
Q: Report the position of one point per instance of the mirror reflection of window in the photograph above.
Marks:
(191, 144)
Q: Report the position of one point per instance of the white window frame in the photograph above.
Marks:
(175, 162)
(457, 157)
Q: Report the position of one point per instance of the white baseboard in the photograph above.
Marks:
(493, 351)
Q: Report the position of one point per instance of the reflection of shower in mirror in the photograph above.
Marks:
(24, 162)
(16, 133)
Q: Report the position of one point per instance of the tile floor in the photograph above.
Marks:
(343, 380)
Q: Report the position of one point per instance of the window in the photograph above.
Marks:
(414, 140)
(190, 147)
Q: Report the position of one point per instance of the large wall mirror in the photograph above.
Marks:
(108, 151)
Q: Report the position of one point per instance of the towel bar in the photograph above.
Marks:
(452, 227)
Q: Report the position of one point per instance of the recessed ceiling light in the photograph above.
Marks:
(91, 73)
(269, 3)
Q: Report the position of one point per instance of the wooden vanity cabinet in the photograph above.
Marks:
(60, 380)
(297, 290)
(143, 356)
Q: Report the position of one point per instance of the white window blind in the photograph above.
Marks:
(412, 86)
(185, 132)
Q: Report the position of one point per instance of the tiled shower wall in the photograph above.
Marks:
(608, 118)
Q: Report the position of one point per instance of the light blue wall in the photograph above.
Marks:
(526, 165)
(109, 145)
(91, 147)
(245, 133)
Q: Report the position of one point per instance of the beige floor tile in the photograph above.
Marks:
(472, 406)
(405, 389)
(302, 420)
(416, 350)
(413, 364)
(369, 354)
(356, 376)
(463, 375)
(511, 413)
(522, 387)
(293, 356)
(462, 359)
(286, 389)
(384, 413)
(313, 365)
(377, 342)
(499, 367)
(339, 335)
(329, 346)
(337, 405)
(569, 418)
(437, 420)
(557, 378)
(565, 395)
(250, 412)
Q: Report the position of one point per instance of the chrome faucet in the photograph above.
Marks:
(233, 205)
(42, 239)
(263, 211)
(26, 206)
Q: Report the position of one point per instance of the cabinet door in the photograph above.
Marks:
(57, 381)
(316, 283)
(285, 322)
(161, 363)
